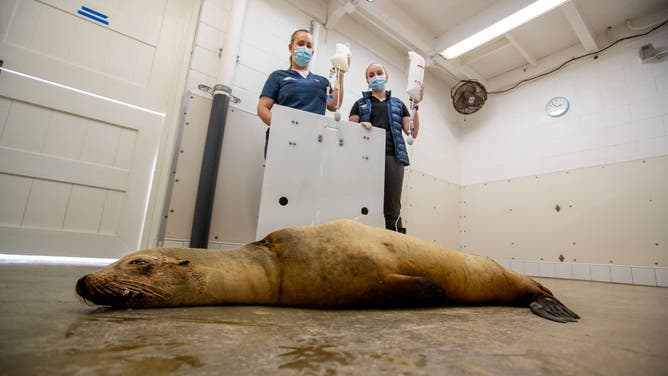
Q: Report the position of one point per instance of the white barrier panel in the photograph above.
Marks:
(318, 169)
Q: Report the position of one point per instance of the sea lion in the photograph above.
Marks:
(341, 264)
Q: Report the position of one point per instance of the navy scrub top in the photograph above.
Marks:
(288, 88)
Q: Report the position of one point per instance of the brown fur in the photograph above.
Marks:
(339, 264)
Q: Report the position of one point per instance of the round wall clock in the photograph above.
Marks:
(557, 106)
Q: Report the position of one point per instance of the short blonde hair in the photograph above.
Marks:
(294, 35)
(387, 75)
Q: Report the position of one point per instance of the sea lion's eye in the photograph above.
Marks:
(138, 262)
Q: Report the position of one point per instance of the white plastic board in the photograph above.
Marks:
(318, 169)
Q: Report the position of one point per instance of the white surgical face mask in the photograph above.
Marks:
(302, 55)
(377, 83)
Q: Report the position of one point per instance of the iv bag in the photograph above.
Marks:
(340, 58)
(415, 74)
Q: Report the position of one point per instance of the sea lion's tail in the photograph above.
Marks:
(545, 305)
(552, 309)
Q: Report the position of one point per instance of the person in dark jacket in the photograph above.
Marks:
(378, 108)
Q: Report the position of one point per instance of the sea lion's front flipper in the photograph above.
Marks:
(552, 309)
(400, 290)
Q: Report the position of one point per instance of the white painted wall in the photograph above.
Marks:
(264, 48)
(618, 113)
(211, 29)
(603, 163)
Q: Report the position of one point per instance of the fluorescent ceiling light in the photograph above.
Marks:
(516, 19)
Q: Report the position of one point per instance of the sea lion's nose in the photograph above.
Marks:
(82, 286)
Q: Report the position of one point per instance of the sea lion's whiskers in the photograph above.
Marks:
(145, 288)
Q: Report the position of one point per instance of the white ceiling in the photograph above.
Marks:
(429, 26)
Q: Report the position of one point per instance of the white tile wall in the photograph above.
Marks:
(505, 263)
(581, 271)
(226, 245)
(180, 243)
(649, 128)
(532, 268)
(175, 244)
(650, 107)
(621, 274)
(564, 270)
(209, 37)
(205, 61)
(548, 269)
(517, 266)
(662, 83)
(214, 14)
(661, 276)
(616, 115)
(644, 276)
(637, 275)
(600, 273)
(214, 18)
(196, 78)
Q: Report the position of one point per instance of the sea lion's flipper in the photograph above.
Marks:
(400, 290)
(552, 309)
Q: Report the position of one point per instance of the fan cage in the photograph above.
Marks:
(473, 90)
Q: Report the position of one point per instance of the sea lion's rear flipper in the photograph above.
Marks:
(400, 290)
(552, 309)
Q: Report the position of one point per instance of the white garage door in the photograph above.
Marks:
(76, 169)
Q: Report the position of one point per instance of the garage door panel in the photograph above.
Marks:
(81, 191)
(13, 200)
(82, 111)
(51, 40)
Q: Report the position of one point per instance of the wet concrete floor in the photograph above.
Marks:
(46, 330)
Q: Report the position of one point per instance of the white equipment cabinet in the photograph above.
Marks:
(318, 170)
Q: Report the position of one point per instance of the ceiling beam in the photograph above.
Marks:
(525, 54)
(336, 11)
(486, 18)
(393, 21)
(460, 71)
(579, 26)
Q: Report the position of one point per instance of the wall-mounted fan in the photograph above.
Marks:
(468, 96)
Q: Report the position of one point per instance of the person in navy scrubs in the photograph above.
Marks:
(297, 87)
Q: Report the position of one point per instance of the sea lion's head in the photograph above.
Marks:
(143, 280)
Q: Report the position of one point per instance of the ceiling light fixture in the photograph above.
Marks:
(516, 19)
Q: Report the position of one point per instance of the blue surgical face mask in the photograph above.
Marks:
(302, 55)
(377, 83)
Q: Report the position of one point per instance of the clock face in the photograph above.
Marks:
(557, 106)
